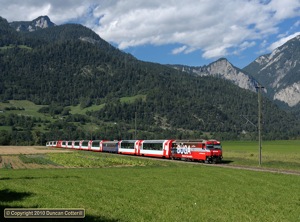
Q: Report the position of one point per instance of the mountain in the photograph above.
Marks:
(279, 72)
(41, 22)
(82, 87)
(8, 34)
(222, 68)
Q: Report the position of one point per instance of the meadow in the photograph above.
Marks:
(122, 188)
(278, 154)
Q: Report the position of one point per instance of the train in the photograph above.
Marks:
(207, 151)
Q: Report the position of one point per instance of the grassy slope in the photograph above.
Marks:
(31, 109)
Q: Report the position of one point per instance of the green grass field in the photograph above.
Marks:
(277, 154)
(123, 188)
(173, 193)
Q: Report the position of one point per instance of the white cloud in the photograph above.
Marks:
(243, 46)
(283, 40)
(179, 50)
(296, 24)
(246, 45)
(215, 27)
(215, 52)
(284, 9)
(58, 11)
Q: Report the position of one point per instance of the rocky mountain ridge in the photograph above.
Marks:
(224, 69)
(41, 22)
(279, 72)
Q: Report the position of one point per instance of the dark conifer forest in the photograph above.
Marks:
(84, 88)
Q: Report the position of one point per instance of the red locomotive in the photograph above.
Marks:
(209, 151)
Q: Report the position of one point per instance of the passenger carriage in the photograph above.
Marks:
(97, 145)
(86, 145)
(155, 148)
(129, 147)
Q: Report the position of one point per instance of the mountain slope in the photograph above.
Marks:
(279, 72)
(69, 65)
(7, 33)
(225, 70)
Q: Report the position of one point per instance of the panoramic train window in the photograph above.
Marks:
(152, 146)
(127, 145)
(85, 143)
(95, 144)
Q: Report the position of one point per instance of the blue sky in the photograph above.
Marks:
(190, 32)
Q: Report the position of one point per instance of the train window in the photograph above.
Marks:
(85, 143)
(76, 143)
(110, 145)
(218, 146)
(208, 146)
(70, 143)
(63, 143)
(95, 144)
(152, 146)
(127, 145)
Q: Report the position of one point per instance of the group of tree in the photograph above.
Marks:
(70, 65)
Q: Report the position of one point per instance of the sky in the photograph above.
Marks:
(189, 32)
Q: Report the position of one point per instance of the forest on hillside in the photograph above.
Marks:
(66, 66)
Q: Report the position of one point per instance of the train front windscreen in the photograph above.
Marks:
(213, 146)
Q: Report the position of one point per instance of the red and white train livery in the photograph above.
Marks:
(209, 151)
